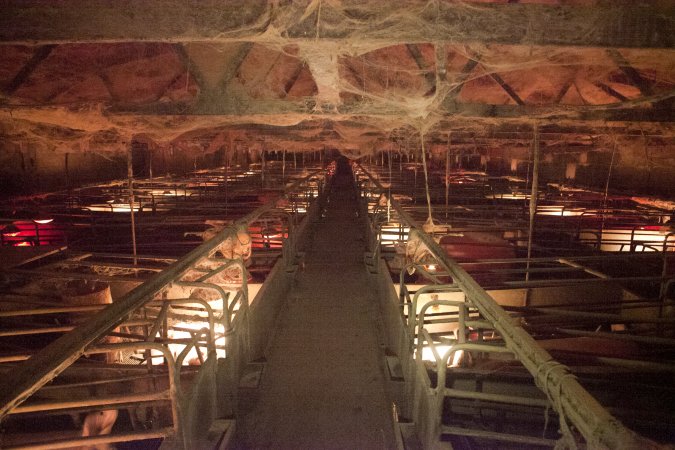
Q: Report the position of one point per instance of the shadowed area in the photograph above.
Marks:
(323, 385)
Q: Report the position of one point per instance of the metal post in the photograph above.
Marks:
(262, 168)
(426, 176)
(130, 177)
(533, 197)
(447, 175)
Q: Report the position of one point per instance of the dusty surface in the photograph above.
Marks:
(90, 78)
(323, 385)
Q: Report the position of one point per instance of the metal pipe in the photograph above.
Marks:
(516, 438)
(496, 398)
(91, 401)
(534, 194)
(95, 440)
(130, 180)
(447, 174)
(426, 176)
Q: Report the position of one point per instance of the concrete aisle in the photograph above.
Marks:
(323, 386)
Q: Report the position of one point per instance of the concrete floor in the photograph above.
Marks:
(323, 386)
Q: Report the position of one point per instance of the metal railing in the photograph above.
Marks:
(150, 307)
(569, 399)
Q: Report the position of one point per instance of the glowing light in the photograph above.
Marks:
(393, 232)
(639, 240)
(43, 221)
(180, 330)
(511, 196)
(170, 192)
(23, 244)
(428, 354)
(558, 210)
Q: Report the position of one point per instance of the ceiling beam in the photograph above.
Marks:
(611, 91)
(507, 88)
(632, 74)
(634, 24)
(429, 74)
(448, 109)
(40, 54)
(563, 90)
(462, 77)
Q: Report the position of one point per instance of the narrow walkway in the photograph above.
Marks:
(323, 386)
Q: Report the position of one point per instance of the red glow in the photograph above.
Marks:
(24, 233)
(652, 227)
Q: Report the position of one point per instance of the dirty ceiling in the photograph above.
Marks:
(354, 76)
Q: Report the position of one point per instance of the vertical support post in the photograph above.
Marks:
(227, 169)
(150, 162)
(447, 174)
(65, 163)
(389, 162)
(130, 182)
(400, 159)
(426, 176)
(262, 167)
(533, 196)
(283, 165)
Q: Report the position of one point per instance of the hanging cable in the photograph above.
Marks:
(130, 181)
(533, 197)
(430, 221)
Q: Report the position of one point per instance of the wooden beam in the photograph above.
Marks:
(563, 90)
(41, 53)
(190, 67)
(463, 75)
(632, 74)
(624, 25)
(218, 97)
(449, 107)
(294, 77)
(508, 89)
(429, 74)
(609, 113)
(609, 90)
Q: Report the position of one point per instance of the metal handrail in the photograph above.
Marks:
(63, 352)
(599, 428)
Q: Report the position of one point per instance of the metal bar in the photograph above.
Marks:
(130, 181)
(42, 311)
(91, 401)
(569, 398)
(533, 196)
(621, 337)
(519, 439)
(497, 398)
(96, 440)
